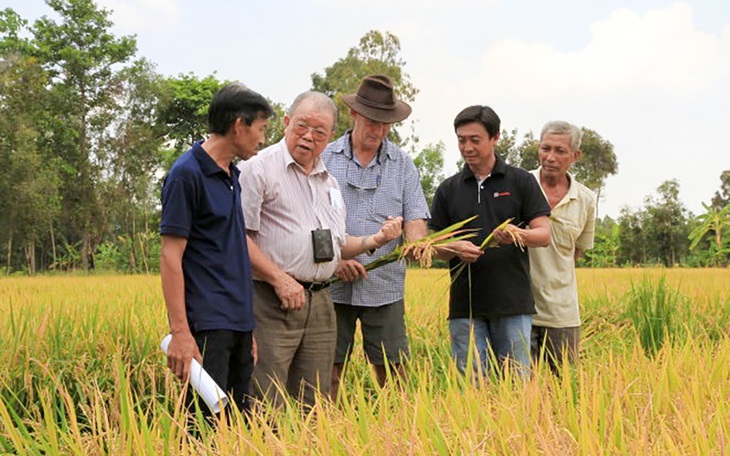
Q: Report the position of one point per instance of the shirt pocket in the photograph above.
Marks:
(386, 204)
(564, 233)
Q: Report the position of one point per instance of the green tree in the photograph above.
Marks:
(722, 196)
(522, 154)
(712, 224)
(605, 251)
(183, 111)
(84, 60)
(667, 226)
(28, 179)
(377, 53)
(275, 128)
(132, 146)
(506, 147)
(430, 164)
(597, 162)
(632, 249)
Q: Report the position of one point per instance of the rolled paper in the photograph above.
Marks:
(202, 382)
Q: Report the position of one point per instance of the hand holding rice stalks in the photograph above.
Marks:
(490, 241)
(514, 232)
(424, 249)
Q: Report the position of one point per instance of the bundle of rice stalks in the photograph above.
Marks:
(423, 250)
(517, 237)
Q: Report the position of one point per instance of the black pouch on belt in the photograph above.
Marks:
(322, 245)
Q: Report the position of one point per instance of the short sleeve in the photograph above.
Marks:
(414, 202)
(178, 199)
(252, 193)
(586, 238)
(534, 203)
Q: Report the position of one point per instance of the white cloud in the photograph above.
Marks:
(651, 83)
(659, 51)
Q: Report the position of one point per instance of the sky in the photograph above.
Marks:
(650, 76)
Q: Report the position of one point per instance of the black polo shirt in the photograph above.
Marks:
(500, 279)
(202, 203)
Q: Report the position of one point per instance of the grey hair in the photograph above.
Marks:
(319, 101)
(560, 127)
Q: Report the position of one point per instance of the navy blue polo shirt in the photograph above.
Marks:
(202, 203)
(500, 279)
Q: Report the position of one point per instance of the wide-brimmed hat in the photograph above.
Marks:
(376, 100)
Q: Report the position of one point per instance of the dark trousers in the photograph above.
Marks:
(228, 359)
(555, 344)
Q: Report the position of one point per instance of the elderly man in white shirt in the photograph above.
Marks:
(296, 228)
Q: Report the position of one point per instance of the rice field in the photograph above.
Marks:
(82, 373)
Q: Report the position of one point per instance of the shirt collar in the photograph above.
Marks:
(289, 161)
(572, 189)
(207, 164)
(499, 168)
(343, 145)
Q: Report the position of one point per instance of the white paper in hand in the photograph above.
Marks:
(202, 382)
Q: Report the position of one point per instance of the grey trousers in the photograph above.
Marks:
(296, 349)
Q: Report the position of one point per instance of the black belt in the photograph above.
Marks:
(313, 286)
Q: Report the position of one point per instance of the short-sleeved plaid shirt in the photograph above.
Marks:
(388, 186)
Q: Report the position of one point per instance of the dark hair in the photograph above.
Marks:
(235, 101)
(480, 114)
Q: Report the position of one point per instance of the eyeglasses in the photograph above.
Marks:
(301, 129)
(364, 179)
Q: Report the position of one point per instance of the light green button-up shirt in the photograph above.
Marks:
(552, 269)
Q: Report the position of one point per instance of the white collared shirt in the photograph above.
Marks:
(282, 205)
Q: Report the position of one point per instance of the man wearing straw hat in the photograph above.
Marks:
(378, 179)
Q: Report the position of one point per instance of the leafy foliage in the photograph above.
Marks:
(712, 224)
(430, 164)
(722, 196)
(183, 111)
(377, 53)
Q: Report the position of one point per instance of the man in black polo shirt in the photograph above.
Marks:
(204, 262)
(490, 299)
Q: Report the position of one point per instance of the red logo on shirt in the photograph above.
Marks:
(498, 194)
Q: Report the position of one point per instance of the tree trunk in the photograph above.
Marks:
(145, 245)
(85, 250)
(30, 257)
(132, 247)
(10, 253)
(53, 244)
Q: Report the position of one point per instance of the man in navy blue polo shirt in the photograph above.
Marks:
(491, 299)
(204, 263)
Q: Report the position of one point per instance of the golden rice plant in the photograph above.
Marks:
(83, 374)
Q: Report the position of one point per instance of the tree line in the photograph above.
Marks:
(88, 129)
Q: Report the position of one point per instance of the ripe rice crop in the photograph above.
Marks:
(82, 373)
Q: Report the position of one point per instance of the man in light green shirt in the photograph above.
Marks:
(556, 327)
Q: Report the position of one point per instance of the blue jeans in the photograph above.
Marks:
(506, 337)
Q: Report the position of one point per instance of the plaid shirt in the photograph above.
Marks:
(389, 186)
